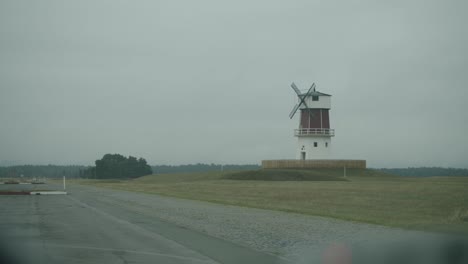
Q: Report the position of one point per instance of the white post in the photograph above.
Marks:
(64, 184)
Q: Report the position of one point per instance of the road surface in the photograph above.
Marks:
(83, 227)
(93, 225)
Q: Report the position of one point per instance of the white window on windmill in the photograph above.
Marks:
(315, 97)
(315, 144)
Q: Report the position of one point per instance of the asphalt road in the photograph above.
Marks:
(83, 227)
(94, 225)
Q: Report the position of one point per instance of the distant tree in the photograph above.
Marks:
(48, 171)
(427, 171)
(118, 166)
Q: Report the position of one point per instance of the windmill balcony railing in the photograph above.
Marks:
(314, 132)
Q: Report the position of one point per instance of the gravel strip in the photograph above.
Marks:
(292, 236)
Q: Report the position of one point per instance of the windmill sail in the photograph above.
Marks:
(293, 85)
(312, 87)
(291, 115)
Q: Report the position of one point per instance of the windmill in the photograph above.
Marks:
(314, 133)
(314, 149)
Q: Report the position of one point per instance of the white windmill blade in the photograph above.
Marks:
(293, 85)
(291, 115)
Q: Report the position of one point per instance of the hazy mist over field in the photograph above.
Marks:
(208, 81)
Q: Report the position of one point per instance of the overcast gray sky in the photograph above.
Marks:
(208, 81)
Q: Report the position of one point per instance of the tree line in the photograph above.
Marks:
(118, 166)
(426, 171)
(40, 171)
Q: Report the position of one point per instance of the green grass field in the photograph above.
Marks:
(435, 203)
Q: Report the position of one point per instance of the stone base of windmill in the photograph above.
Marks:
(314, 164)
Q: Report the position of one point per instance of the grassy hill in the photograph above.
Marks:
(303, 175)
(435, 203)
